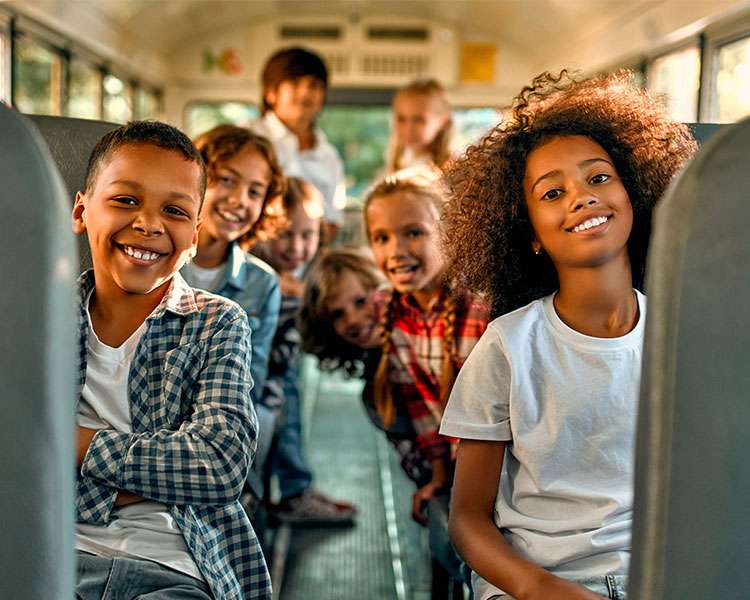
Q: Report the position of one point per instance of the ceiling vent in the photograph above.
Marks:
(413, 65)
(337, 63)
(310, 32)
(397, 33)
(379, 53)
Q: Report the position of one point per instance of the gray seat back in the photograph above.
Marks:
(691, 535)
(70, 142)
(37, 351)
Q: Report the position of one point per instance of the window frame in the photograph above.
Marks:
(693, 41)
(19, 27)
(715, 40)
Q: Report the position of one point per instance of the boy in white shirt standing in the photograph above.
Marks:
(295, 81)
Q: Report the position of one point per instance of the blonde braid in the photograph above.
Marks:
(383, 393)
(449, 328)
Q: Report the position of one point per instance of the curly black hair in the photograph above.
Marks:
(488, 231)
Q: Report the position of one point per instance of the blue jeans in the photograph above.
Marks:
(102, 578)
(614, 587)
(287, 461)
(441, 547)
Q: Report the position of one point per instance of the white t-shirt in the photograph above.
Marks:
(144, 530)
(566, 405)
(320, 165)
(205, 278)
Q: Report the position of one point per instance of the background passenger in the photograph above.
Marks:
(337, 320)
(428, 331)
(242, 205)
(164, 387)
(290, 250)
(422, 128)
(294, 83)
(339, 325)
(550, 218)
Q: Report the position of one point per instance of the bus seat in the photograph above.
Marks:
(703, 131)
(690, 534)
(37, 351)
(70, 142)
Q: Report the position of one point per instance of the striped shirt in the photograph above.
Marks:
(416, 360)
(193, 436)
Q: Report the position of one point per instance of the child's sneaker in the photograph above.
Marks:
(313, 508)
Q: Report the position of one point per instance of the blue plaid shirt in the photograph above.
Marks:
(194, 435)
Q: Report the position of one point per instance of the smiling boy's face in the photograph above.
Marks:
(141, 217)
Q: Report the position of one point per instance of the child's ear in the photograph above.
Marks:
(536, 246)
(194, 249)
(78, 219)
(270, 96)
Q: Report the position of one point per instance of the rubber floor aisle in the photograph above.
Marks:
(384, 555)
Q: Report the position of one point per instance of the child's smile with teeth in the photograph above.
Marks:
(571, 185)
(140, 253)
(231, 217)
(589, 223)
(150, 197)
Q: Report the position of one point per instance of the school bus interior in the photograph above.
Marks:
(79, 67)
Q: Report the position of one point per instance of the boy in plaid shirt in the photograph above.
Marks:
(166, 426)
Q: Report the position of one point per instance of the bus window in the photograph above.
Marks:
(677, 75)
(84, 91)
(471, 124)
(118, 100)
(360, 134)
(202, 116)
(733, 81)
(4, 75)
(37, 79)
(146, 104)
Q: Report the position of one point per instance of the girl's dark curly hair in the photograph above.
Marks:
(314, 320)
(487, 224)
(221, 144)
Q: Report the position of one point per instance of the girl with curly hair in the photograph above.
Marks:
(422, 126)
(550, 219)
(428, 329)
(241, 205)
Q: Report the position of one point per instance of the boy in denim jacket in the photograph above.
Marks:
(166, 426)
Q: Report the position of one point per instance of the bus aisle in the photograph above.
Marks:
(384, 556)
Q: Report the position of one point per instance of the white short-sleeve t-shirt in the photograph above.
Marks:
(566, 405)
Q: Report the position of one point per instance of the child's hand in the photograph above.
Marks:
(421, 497)
(290, 285)
(555, 587)
(440, 482)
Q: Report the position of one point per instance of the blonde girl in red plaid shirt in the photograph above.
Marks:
(428, 330)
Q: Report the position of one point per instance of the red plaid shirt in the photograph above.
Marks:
(416, 360)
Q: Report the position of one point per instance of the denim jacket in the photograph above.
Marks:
(194, 435)
(253, 285)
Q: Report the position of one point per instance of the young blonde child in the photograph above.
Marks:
(242, 204)
(166, 426)
(422, 127)
(291, 249)
(428, 329)
(550, 219)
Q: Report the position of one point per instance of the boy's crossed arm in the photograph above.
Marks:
(85, 436)
(203, 462)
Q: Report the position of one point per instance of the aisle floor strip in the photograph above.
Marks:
(386, 483)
